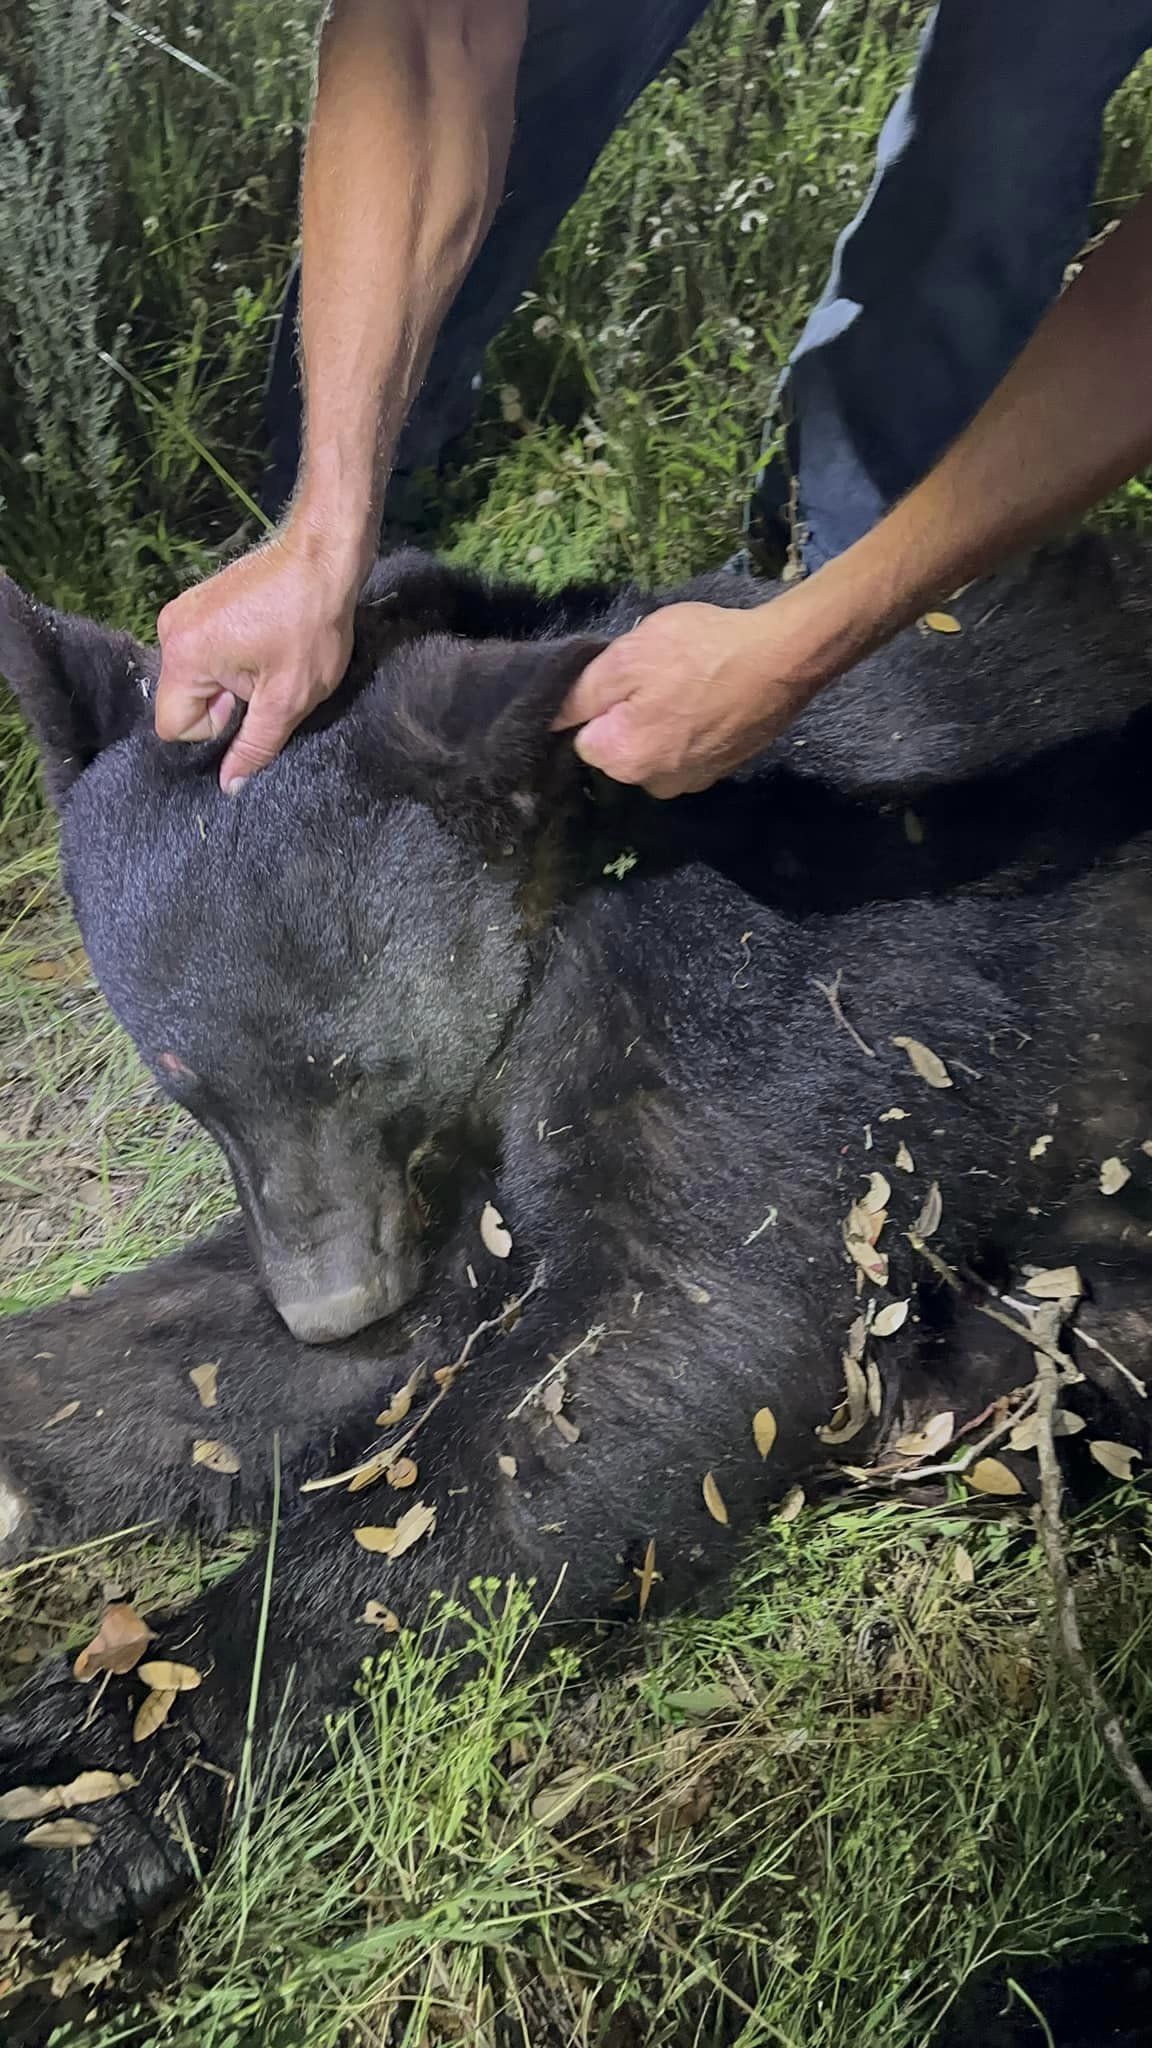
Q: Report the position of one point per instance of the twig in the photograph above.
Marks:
(385, 1457)
(974, 1452)
(831, 990)
(1094, 1344)
(1107, 1720)
(995, 1315)
(591, 1336)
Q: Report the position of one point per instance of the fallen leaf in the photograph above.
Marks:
(891, 1319)
(494, 1235)
(553, 1802)
(1114, 1175)
(1117, 1459)
(928, 1221)
(370, 1471)
(392, 1541)
(852, 1414)
(872, 1263)
(714, 1500)
(963, 1566)
(904, 1159)
(764, 1430)
(29, 1802)
(152, 1714)
(118, 1645)
(988, 1475)
(1039, 1146)
(403, 1473)
(913, 829)
(91, 1787)
(60, 1834)
(647, 1575)
(791, 1504)
(893, 1116)
(1055, 1283)
(162, 1675)
(1026, 1435)
(924, 1062)
(508, 1466)
(568, 1430)
(63, 1414)
(216, 1456)
(203, 1378)
(379, 1538)
(941, 622)
(875, 1388)
(928, 1442)
(381, 1617)
(878, 1197)
(397, 1409)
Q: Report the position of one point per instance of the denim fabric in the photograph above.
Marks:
(985, 171)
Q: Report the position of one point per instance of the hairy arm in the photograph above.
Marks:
(403, 170)
(695, 691)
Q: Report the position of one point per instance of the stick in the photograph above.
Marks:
(1107, 1721)
(831, 990)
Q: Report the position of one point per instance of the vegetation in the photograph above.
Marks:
(809, 1818)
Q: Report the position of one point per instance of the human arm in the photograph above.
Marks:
(694, 691)
(404, 167)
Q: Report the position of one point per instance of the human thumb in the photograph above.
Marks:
(597, 688)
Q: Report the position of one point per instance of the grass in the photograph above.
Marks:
(808, 1818)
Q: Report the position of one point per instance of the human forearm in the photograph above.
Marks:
(1071, 420)
(404, 167)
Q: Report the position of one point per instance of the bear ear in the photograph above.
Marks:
(467, 729)
(80, 686)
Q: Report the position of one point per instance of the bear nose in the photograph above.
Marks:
(326, 1318)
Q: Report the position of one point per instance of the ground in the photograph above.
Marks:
(811, 1816)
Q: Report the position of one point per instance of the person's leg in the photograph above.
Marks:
(985, 172)
(584, 63)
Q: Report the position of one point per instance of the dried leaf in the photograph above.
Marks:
(852, 1415)
(397, 1409)
(216, 1456)
(374, 1468)
(1039, 1146)
(764, 1430)
(891, 1319)
(904, 1159)
(29, 1802)
(379, 1538)
(508, 1466)
(203, 1378)
(924, 1062)
(699, 1701)
(875, 1387)
(989, 1475)
(928, 1221)
(714, 1500)
(894, 1116)
(928, 1442)
(1055, 1283)
(415, 1523)
(553, 1802)
(381, 1617)
(568, 1430)
(878, 1196)
(1116, 1459)
(791, 1504)
(872, 1263)
(154, 1711)
(963, 1566)
(647, 1575)
(63, 1414)
(60, 1834)
(162, 1675)
(941, 622)
(495, 1237)
(1114, 1175)
(404, 1473)
(118, 1645)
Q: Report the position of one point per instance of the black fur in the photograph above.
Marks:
(410, 961)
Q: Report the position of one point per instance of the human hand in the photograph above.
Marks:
(691, 693)
(274, 629)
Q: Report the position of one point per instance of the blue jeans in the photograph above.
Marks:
(985, 172)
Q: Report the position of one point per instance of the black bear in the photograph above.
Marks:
(577, 1137)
